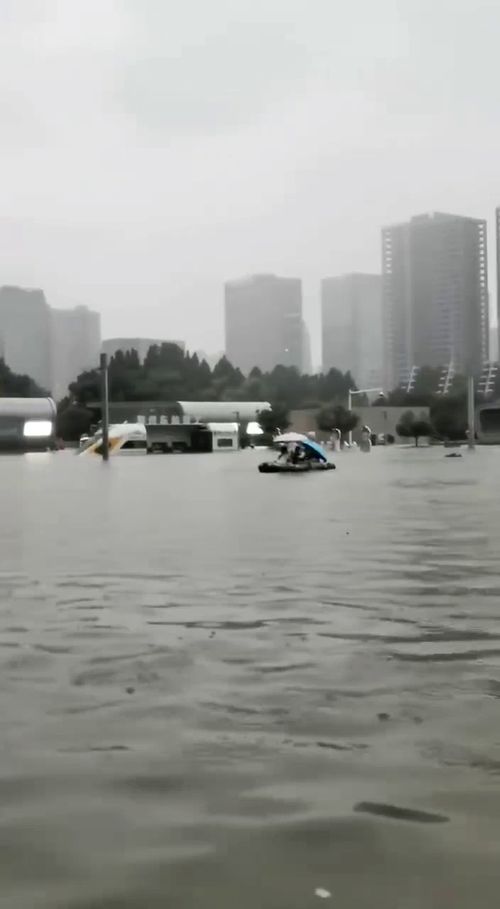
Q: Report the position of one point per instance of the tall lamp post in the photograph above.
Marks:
(471, 413)
(104, 406)
(359, 391)
(237, 415)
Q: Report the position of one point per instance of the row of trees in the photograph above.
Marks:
(17, 386)
(170, 374)
(447, 418)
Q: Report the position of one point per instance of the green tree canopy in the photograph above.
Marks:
(275, 420)
(13, 385)
(449, 417)
(335, 416)
(170, 374)
(73, 420)
(413, 427)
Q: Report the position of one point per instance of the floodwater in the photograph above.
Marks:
(226, 690)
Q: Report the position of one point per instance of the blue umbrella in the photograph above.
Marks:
(313, 446)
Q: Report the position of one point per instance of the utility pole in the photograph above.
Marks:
(105, 407)
(471, 420)
(349, 408)
(359, 391)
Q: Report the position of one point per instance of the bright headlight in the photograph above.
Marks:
(37, 429)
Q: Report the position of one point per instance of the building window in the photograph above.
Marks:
(225, 443)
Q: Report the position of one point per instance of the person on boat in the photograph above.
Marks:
(297, 454)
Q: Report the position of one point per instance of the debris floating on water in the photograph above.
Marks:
(323, 894)
(400, 814)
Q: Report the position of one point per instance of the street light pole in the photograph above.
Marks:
(359, 391)
(471, 421)
(104, 406)
(349, 408)
(237, 415)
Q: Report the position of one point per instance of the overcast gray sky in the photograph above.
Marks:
(152, 148)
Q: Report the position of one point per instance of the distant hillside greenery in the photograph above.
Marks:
(15, 386)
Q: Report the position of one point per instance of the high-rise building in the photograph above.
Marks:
(351, 327)
(141, 345)
(50, 345)
(497, 227)
(25, 333)
(435, 294)
(263, 320)
(307, 366)
(493, 352)
(76, 344)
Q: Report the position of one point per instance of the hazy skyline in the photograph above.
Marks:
(151, 151)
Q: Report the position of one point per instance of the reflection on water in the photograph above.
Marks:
(224, 689)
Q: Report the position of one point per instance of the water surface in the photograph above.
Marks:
(223, 689)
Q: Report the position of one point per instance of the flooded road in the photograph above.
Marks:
(222, 689)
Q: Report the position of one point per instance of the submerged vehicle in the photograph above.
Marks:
(122, 437)
(298, 454)
(27, 424)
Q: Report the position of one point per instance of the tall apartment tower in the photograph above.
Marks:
(51, 345)
(263, 322)
(76, 345)
(351, 327)
(25, 333)
(497, 228)
(307, 366)
(435, 294)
